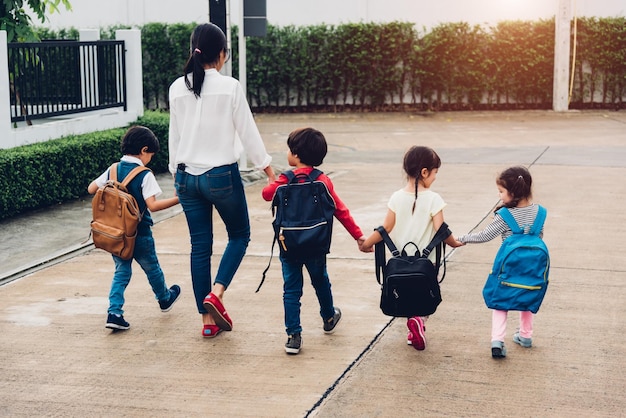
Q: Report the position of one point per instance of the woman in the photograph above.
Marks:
(210, 125)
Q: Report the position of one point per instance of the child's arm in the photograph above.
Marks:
(156, 205)
(342, 213)
(388, 223)
(491, 231)
(451, 240)
(98, 182)
(270, 189)
(92, 188)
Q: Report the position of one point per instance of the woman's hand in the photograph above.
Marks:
(271, 177)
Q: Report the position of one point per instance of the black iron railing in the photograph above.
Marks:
(53, 78)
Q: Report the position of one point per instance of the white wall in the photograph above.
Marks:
(308, 12)
(57, 127)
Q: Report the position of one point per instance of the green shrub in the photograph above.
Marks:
(47, 173)
(373, 65)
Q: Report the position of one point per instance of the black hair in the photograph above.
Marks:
(309, 145)
(136, 138)
(206, 43)
(416, 159)
(518, 182)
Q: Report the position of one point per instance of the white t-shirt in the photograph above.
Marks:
(418, 226)
(149, 185)
(213, 129)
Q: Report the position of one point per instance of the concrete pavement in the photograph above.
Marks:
(59, 360)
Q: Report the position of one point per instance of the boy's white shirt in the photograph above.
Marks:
(149, 185)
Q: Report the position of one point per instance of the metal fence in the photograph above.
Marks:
(53, 78)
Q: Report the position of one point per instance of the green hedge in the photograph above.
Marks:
(453, 66)
(372, 66)
(47, 173)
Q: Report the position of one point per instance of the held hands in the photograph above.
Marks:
(271, 177)
(362, 248)
(455, 243)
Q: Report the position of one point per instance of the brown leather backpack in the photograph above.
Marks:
(116, 215)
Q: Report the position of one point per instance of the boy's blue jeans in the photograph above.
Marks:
(222, 188)
(145, 255)
(292, 289)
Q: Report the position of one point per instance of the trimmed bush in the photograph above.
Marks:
(381, 66)
(47, 173)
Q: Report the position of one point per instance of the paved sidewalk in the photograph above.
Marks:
(59, 360)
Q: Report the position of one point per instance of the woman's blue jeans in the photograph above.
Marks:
(292, 289)
(145, 255)
(222, 188)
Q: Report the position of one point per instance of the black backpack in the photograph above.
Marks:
(410, 284)
(303, 212)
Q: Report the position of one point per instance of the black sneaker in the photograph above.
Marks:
(331, 323)
(294, 342)
(174, 293)
(115, 321)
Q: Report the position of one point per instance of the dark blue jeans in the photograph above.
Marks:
(145, 255)
(292, 289)
(222, 188)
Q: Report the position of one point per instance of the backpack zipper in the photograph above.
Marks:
(281, 236)
(301, 228)
(520, 286)
(113, 237)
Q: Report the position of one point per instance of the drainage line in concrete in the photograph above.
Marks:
(340, 378)
(359, 357)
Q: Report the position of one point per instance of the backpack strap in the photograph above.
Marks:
(539, 221)
(379, 252)
(379, 255)
(387, 240)
(442, 233)
(436, 243)
(268, 265)
(313, 175)
(133, 173)
(535, 229)
(290, 175)
(507, 217)
(129, 177)
(440, 248)
(113, 172)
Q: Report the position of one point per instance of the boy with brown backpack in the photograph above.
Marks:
(139, 145)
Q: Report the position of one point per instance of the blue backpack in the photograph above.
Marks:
(519, 278)
(303, 212)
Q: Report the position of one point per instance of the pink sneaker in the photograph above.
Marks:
(416, 332)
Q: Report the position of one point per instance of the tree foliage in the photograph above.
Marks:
(16, 21)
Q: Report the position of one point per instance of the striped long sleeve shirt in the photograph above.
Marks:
(523, 216)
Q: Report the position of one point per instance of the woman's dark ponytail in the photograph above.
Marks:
(206, 43)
